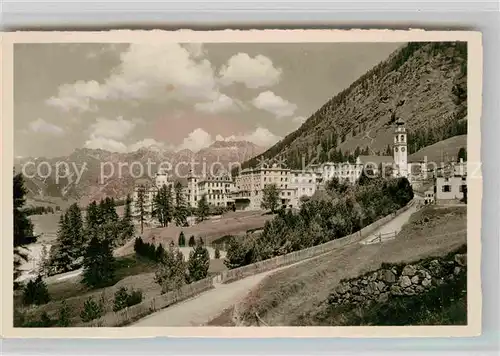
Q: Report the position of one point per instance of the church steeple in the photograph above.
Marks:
(400, 149)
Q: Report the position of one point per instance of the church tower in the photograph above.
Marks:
(400, 150)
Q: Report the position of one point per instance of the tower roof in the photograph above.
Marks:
(400, 121)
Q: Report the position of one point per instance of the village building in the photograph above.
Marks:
(217, 189)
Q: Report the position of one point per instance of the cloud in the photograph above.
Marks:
(149, 143)
(196, 140)
(42, 126)
(260, 137)
(112, 128)
(104, 143)
(254, 72)
(223, 103)
(299, 120)
(146, 72)
(274, 104)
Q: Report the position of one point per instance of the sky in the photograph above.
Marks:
(121, 97)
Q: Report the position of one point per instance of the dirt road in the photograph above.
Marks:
(200, 309)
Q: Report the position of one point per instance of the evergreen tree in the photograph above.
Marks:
(163, 207)
(75, 230)
(64, 253)
(182, 240)
(180, 212)
(217, 253)
(64, 315)
(171, 272)
(36, 292)
(462, 154)
(91, 310)
(192, 241)
(202, 209)
(44, 264)
(98, 263)
(23, 228)
(141, 206)
(198, 263)
(127, 225)
(270, 198)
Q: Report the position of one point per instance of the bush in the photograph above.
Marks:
(91, 310)
(64, 315)
(124, 299)
(44, 322)
(217, 253)
(182, 240)
(36, 292)
(192, 241)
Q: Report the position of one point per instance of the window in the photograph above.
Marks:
(402, 149)
(463, 188)
(402, 138)
(446, 188)
(395, 149)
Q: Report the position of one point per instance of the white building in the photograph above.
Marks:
(291, 185)
(217, 189)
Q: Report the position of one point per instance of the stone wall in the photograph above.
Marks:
(398, 280)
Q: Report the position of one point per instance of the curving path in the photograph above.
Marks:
(204, 307)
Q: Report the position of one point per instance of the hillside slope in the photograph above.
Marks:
(441, 151)
(425, 84)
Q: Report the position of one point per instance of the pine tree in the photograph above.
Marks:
(192, 241)
(36, 292)
(64, 315)
(91, 310)
(98, 263)
(198, 263)
(163, 207)
(127, 225)
(182, 239)
(75, 231)
(44, 262)
(64, 253)
(180, 213)
(202, 209)
(141, 206)
(462, 154)
(270, 198)
(171, 272)
(23, 228)
(217, 253)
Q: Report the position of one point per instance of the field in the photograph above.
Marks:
(232, 223)
(132, 272)
(292, 296)
(441, 151)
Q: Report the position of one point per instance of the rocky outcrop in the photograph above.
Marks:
(398, 280)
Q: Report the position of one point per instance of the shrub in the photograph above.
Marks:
(120, 301)
(182, 239)
(91, 310)
(198, 263)
(36, 292)
(124, 299)
(64, 315)
(217, 253)
(44, 322)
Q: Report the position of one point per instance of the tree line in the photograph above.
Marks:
(344, 210)
(87, 242)
(40, 210)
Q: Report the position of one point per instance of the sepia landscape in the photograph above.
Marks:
(240, 184)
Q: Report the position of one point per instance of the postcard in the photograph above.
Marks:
(254, 183)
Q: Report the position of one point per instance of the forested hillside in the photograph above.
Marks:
(423, 83)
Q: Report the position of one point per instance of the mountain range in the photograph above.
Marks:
(94, 185)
